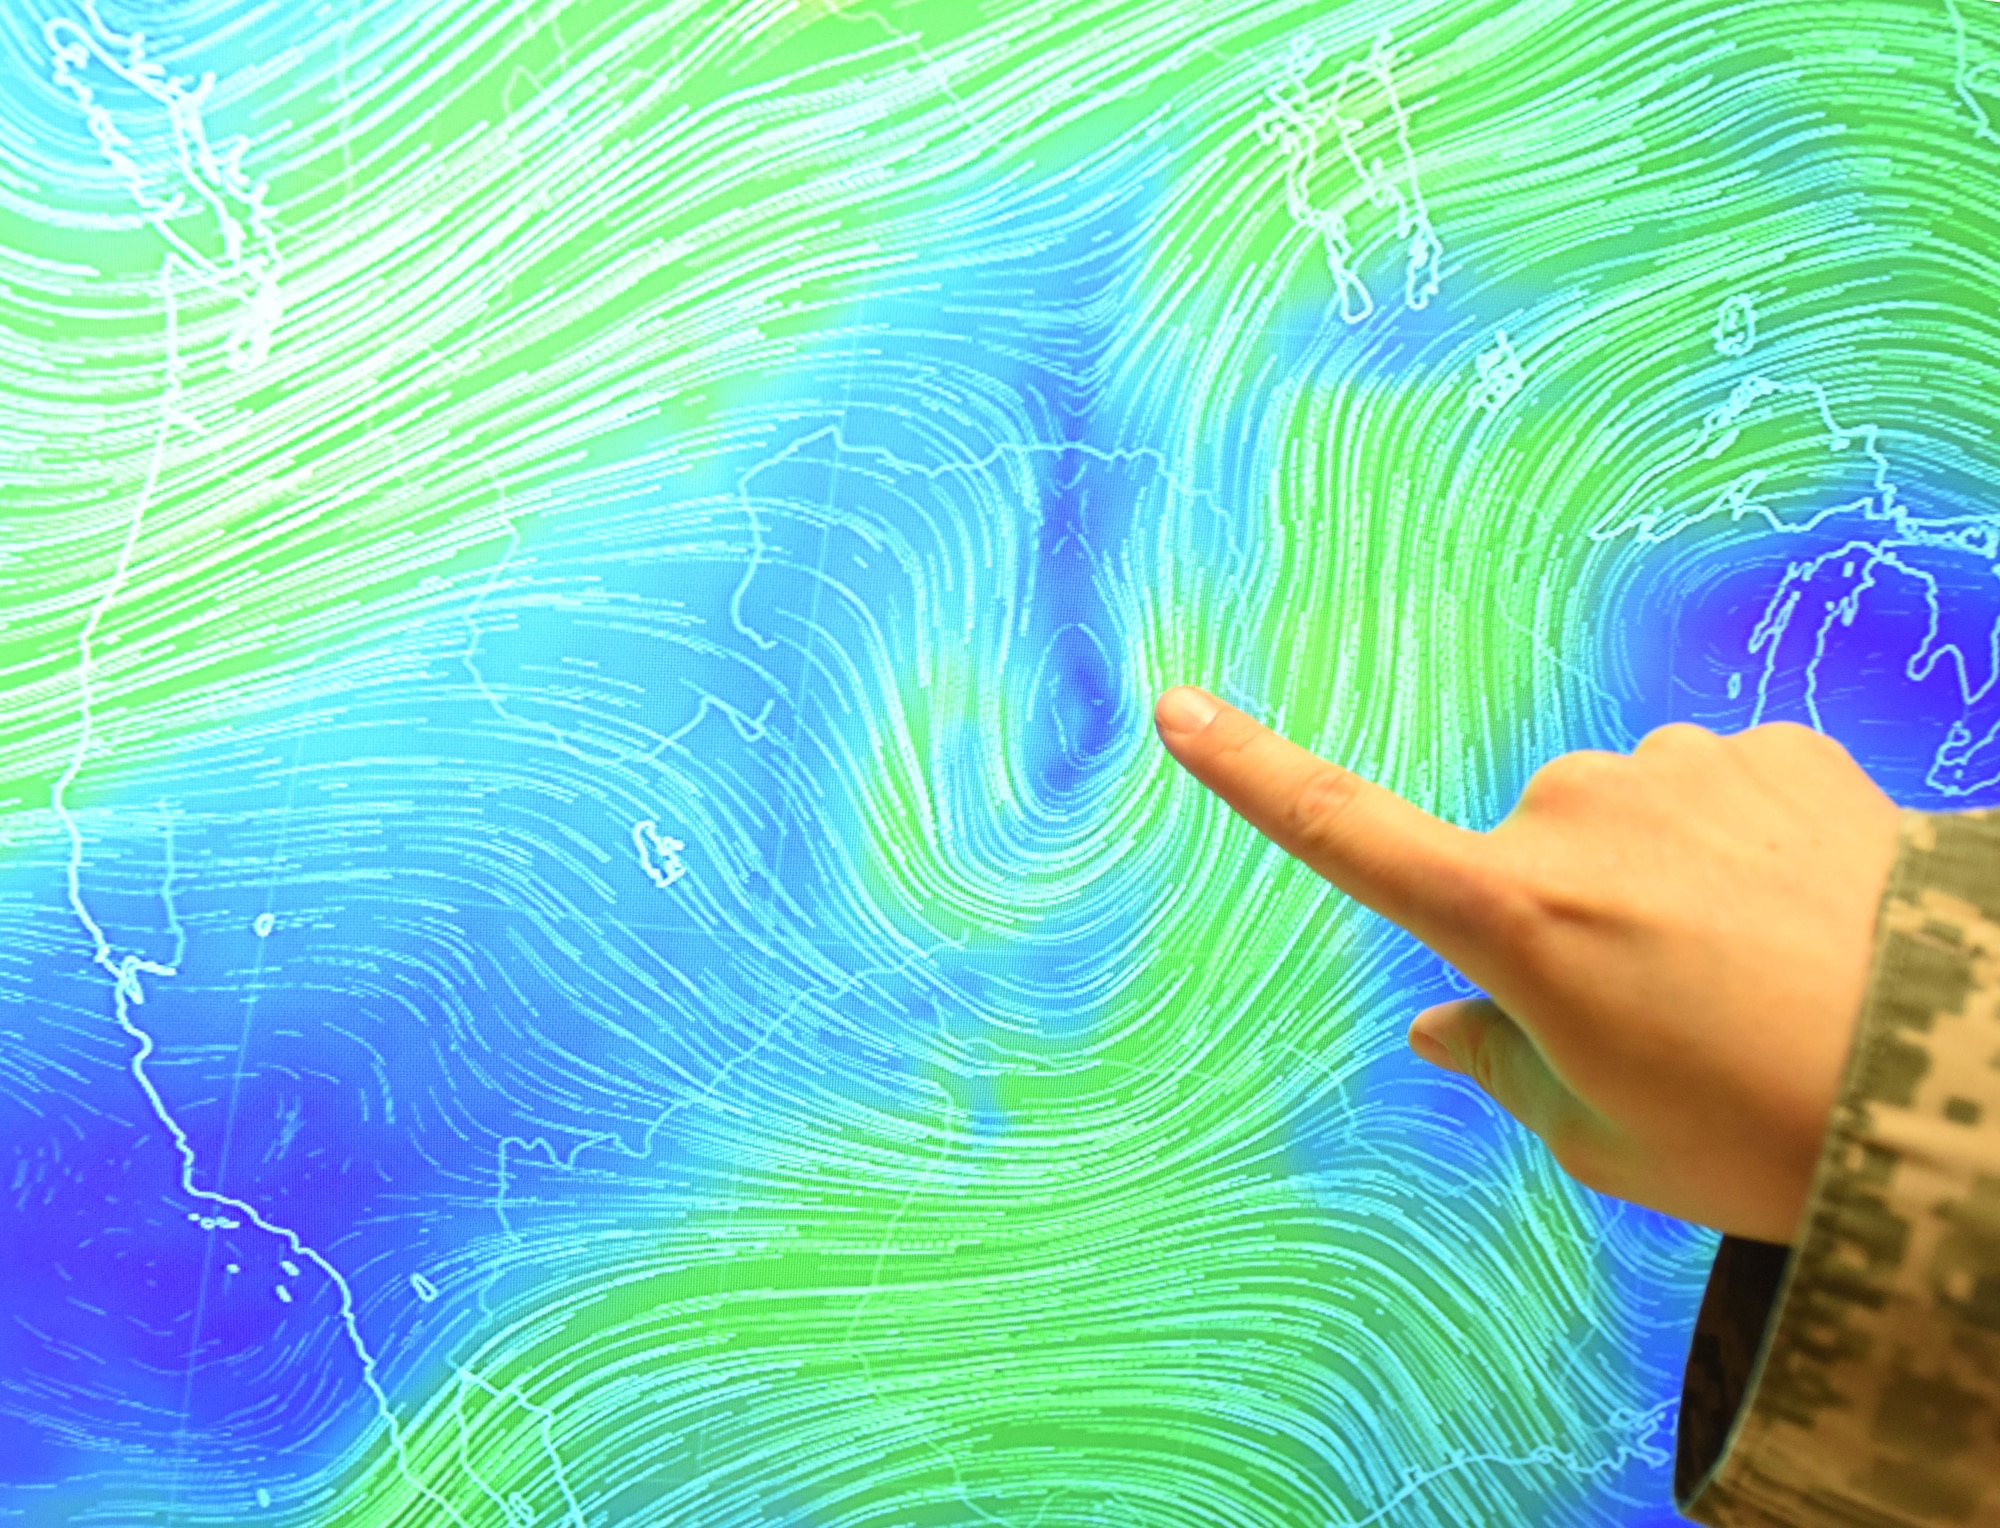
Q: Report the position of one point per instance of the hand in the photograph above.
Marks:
(1674, 944)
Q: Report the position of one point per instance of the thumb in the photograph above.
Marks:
(1474, 1038)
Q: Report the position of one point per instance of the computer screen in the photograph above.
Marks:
(593, 929)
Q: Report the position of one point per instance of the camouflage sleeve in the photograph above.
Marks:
(1855, 1378)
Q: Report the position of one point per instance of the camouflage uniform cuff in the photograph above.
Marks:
(1873, 1397)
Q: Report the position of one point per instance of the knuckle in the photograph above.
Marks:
(1792, 737)
(1553, 781)
(1676, 737)
(1569, 778)
(1502, 908)
(1320, 804)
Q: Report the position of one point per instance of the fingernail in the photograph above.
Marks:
(1184, 710)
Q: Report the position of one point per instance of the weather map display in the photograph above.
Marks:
(592, 927)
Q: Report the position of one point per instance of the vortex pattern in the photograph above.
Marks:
(591, 927)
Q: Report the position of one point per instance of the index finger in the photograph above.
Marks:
(1396, 858)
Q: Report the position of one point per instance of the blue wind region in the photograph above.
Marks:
(433, 1018)
(1787, 560)
(373, 1000)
